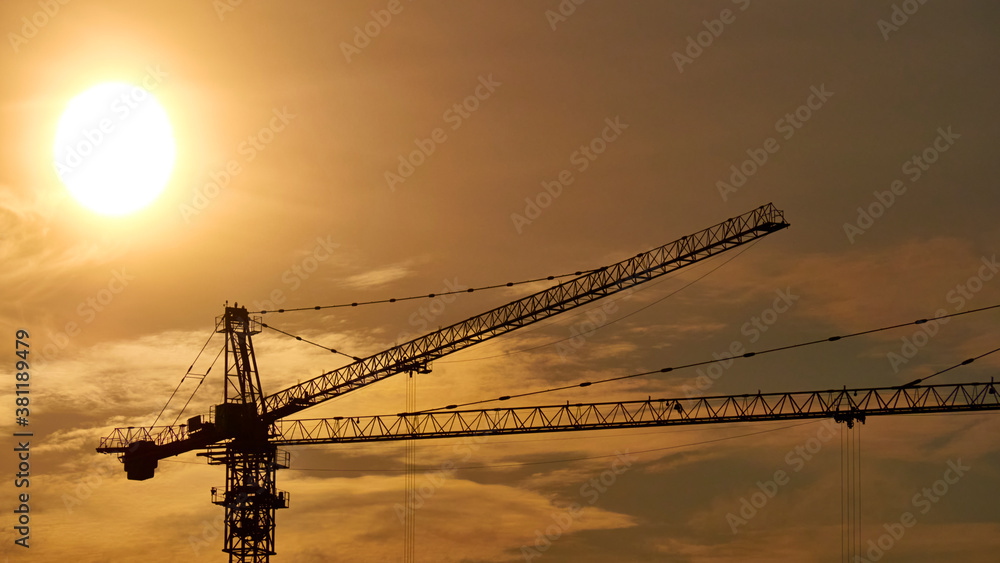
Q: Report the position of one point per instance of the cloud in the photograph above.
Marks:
(130, 377)
(33, 248)
(463, 517)
(378, 277)
(855, 288)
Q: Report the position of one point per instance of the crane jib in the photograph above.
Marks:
(841, 405)
(417, 353)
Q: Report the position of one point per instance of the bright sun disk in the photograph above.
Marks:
(114, 148)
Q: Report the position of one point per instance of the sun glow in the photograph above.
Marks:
(114, 148)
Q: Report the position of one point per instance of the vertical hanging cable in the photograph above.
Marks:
(852, 438)
(410, 479)
(847, 545)
(850, 491)
(852, 523)
(844, 556)
(857, 484)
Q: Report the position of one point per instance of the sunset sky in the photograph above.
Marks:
(344, 152)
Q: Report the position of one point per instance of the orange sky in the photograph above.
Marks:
(423, 155)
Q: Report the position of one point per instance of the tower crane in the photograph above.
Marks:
(245, 431)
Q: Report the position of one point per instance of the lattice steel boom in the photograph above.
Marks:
(415, 355)
(845, 405)
(563, 297)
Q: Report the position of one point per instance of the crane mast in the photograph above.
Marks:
(251, 497)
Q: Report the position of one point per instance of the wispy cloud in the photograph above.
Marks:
(454, 516)
(35, 254)
(378, 277)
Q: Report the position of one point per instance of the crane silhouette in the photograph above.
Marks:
(245, 431)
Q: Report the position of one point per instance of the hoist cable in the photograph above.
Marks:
(432, 295)
(742, 356)
(188, 372)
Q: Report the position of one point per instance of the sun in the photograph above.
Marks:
(114, 148)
